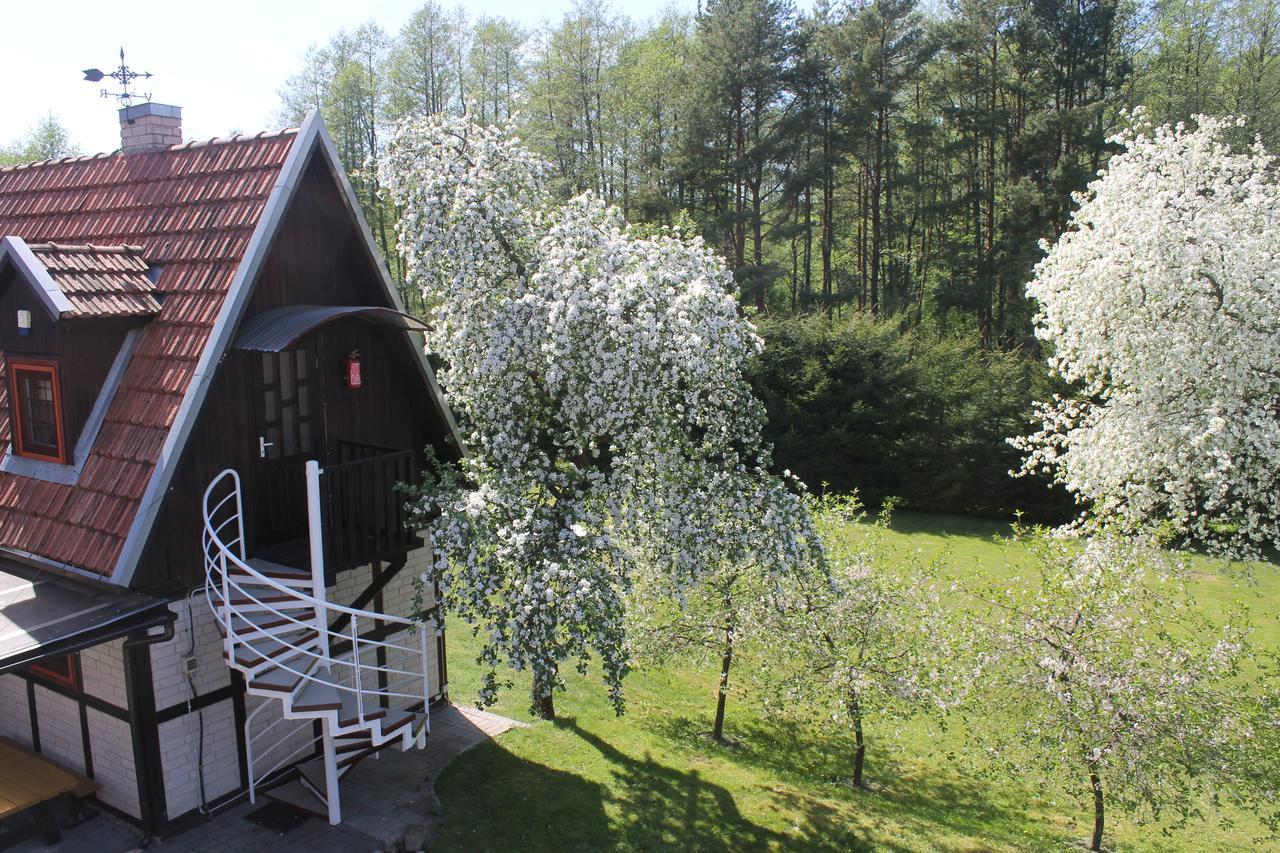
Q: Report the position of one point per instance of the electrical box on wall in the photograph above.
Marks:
(190, 664)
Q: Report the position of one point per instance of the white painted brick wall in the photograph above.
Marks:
(397, 600)
(113, 767)
(60, 737)
(400, 600)
(179, 738)
(102, 668)
(179, 741)
(166, 658)
(349, 585)
(15, 719)
(397, 595)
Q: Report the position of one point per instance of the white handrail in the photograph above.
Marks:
(315, 541)
(264, 580)
(355, 658)
(319, 657)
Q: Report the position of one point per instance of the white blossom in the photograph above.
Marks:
(867, 641)
(598, 378)
(1127, 695)
(1161, 307)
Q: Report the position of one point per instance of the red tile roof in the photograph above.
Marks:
(100, 281)
(192, 210)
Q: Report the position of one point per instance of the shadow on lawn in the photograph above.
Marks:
(496, 800)
(950, 526)
(931, 801)
(667, 808)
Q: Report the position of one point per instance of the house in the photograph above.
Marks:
(209, 390)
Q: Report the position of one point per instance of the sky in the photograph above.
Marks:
(222, 61)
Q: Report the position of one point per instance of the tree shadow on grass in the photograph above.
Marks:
(663, 807)
(931, 802)
(950, 526)
(494, 800)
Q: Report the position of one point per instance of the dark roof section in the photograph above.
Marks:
(276, 329)
(192, 209)
(100, 281)
(43, 614)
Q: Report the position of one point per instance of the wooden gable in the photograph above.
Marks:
(318, 256)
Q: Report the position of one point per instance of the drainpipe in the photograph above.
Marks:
(143, 725)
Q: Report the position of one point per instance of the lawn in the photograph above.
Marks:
(652, 780)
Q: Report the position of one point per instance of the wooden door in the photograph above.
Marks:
(287, 432)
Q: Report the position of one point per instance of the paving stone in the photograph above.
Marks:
(373, 818)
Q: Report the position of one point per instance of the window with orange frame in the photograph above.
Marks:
(36, 393)
(61, 669)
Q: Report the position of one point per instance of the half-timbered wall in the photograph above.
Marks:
(85, 728)
(197, 716)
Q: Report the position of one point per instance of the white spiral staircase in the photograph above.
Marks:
(306, 659)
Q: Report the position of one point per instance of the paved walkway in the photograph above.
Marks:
(388, 804)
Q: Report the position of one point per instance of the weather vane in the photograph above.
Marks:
(125, 76)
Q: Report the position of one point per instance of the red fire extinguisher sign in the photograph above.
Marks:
(353, 370)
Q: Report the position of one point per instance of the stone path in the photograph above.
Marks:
(388, 803)
(412, 813)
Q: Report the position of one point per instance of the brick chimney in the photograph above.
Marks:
(149, 127)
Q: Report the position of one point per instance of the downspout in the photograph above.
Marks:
(143, 725)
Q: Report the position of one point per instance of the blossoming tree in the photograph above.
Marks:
(867, 640)
(1126, 694)
(598, 378)
(1161, 307)
(713, 622)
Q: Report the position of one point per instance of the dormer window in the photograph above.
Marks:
(68, 317)
(37, 410)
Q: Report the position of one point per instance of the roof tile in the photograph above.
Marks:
(191, 210)
(100, 281)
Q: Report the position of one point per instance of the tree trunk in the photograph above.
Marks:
(544, 704)
(877, 184)
(726, 661)
(1096, 784)
(757, 243)
(795, 273)
(807, 280)
(863, 209)
(859, 753)
(859, 745)
(828, 209)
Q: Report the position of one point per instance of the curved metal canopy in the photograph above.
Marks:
(276, 329)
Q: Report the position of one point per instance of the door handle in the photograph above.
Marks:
(263, 444)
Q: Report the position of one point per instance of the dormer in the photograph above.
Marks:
(68, 316)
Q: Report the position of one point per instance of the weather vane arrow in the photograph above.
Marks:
(125, 76)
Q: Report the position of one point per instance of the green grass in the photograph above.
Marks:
(652, 780)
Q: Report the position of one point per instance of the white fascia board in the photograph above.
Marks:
(55, 302)
(371, 247)
(220, 337)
